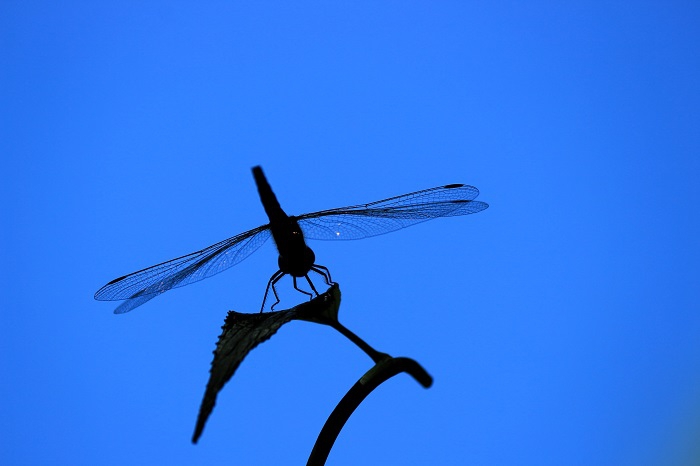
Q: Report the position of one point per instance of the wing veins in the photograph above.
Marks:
(165, 274)
(380, 217)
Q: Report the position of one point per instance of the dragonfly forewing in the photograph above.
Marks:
(143, 285)
(377, 218)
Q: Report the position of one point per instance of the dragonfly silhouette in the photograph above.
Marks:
(288, 232)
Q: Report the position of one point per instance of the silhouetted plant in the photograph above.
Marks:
(243, 332)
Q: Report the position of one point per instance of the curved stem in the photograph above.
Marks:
(382, 371)
(376, 356)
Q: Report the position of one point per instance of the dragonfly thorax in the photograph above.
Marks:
(297, 262)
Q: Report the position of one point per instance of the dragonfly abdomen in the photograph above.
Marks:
(273, 209)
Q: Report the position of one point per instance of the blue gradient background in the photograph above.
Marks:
(561, 325)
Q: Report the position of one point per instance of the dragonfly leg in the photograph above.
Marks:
(324, 272)
(294, 279)
(311, 284)
(271, 284)
(274, 290)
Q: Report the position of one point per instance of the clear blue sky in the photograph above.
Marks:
(561, 325)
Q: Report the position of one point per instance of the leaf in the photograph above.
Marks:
(243, 332)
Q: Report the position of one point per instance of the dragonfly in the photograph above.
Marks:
(289, 234)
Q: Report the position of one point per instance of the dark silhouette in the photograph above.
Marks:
(295, 257)
(288, 232)
(379, 373)
(243, 332)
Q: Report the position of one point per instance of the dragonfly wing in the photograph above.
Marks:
(143, 285)
(377, 218)
(133, 303)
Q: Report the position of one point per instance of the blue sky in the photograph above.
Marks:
(560, 325)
